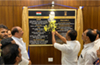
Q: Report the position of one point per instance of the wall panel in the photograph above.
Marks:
(10, 22)
(94, 17)
(4, 2)
(98, 18)
(89, 2)
(3, 15)
(40, 55)
(90, 17)
(17, 15)
(24, 2)
(17, 2)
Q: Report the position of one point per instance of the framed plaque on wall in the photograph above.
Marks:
(38, 18)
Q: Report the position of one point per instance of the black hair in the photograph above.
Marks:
(6, 42)
(91, 35)
(1, 61)
(89, 29)
(9, 53)
(98, 32)
(14, 31)
(72, 34)
(3, 26)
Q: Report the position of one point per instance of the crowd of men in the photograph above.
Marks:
(13, 49)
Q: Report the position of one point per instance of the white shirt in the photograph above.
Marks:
(24, 53)
(97, 43)
(69, 51)
(88, 55)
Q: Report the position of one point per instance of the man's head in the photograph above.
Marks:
(89, 35)
(9, 33)
(11, 54)
(6, 42)
(17, 32)
(71, 35)
(98, 33)
(3, 32)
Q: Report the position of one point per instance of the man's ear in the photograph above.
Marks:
(69, 37)
(87, 38)
(17, 59)
(16, 33)
(13, 42)
(97, 36)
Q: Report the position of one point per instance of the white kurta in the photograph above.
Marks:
(69, 52)
(24, 53)
(97, 43)
(88, 55)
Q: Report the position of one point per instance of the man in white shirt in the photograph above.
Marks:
(69, 50)
(97, 41)
(87, 56)
(96, 44)
(98, 55)
(17, 33)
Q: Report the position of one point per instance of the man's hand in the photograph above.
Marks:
(60, 36)
(30, 63)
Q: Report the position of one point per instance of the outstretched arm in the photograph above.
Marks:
(58, 46)
(53, 37)
(61, 37)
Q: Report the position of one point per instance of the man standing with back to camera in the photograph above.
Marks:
(70, 49)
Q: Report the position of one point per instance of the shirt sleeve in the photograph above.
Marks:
(62, 47)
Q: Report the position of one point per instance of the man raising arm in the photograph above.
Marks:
(70, 49)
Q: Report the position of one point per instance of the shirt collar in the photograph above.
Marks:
(17, 38)
(88, 45)
(72, 41)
